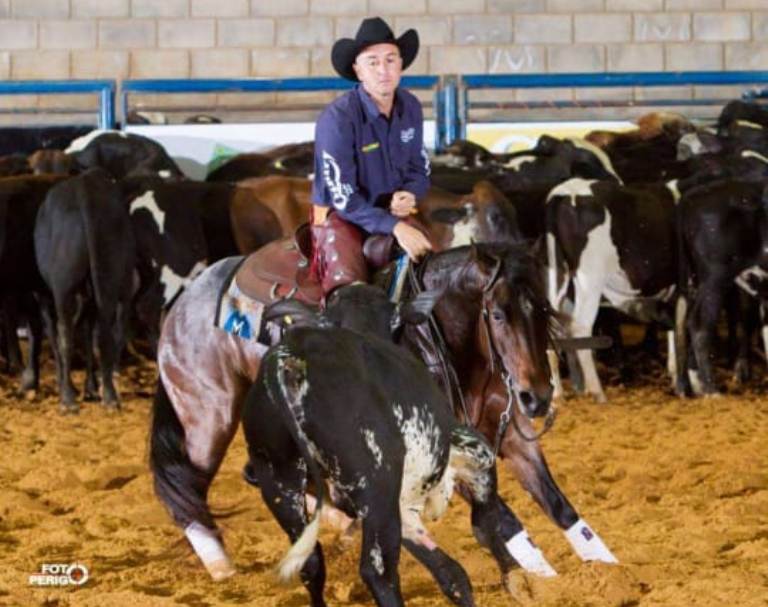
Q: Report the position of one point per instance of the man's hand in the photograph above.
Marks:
(412, 240)
(403, 204)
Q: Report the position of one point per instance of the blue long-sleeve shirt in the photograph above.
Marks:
(361, 158)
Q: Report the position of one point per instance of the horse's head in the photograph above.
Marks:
(516, 323)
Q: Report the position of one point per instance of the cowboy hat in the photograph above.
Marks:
(372, 31)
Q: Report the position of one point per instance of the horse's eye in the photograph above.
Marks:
(497, 314)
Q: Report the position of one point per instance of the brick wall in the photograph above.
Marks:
(232, 38)
(275, 38)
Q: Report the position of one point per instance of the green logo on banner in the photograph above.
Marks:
(221, 154)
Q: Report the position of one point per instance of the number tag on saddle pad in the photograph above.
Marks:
(238, 314)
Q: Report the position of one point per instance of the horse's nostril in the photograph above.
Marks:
(527, 399)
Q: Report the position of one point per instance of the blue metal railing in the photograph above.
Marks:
(594, 80)
(265, 85)
(104, 88)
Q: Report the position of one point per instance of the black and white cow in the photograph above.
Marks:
(353, 409)
(610, 242)
(85, 251)
(123, 154)
(171, 248)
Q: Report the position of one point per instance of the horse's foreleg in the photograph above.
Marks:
(527, 462)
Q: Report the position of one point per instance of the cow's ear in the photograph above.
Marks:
(448, 215)
(416, 310)
(291, 313)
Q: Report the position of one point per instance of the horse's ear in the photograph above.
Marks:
(291, 313)
(416, 310)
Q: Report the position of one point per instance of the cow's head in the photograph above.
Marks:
(485, 215)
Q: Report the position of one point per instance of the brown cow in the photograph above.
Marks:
(483, 215)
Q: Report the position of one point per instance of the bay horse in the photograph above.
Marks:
(492, 307)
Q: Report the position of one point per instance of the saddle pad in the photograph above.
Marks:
(236, 313)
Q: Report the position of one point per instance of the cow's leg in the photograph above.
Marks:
(448, 573)
(701, 324)
(90, 335)
(745, 321)
(527, 462)
(681, 379)
(66, 306)
(108, 355)
(30, 377)
(10, 321)
(380, 553)
(282, 481)
(587, 303)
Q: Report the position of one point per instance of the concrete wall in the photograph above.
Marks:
(273, 38)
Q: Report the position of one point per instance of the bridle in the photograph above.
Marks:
(511, 382)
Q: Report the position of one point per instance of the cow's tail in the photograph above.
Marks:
(179, 484)
(281, 373)
(87, 212)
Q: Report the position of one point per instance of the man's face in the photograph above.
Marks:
(379, 68)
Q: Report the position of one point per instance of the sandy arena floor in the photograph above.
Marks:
(678, 490)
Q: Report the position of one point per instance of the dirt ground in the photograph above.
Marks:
(677, 489)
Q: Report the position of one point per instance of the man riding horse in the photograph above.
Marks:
(370, 160)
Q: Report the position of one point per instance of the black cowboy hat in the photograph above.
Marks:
(372, 31)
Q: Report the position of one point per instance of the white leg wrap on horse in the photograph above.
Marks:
(588, 544)
(210, 550)
(530, 557)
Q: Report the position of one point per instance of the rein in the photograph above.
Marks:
(509, 382)
(447, 370)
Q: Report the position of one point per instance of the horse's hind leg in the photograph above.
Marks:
(184, 459)
(527, 462)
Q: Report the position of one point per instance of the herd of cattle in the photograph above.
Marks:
(664, 223)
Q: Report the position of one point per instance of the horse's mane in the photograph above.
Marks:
(521, 270)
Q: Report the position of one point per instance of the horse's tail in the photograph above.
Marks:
(274, 377)
(180, 485)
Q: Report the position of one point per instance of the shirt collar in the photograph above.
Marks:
(370, 105)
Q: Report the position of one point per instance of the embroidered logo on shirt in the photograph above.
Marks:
(407, 135)
(340, 192)
(370, 147)
(425, 157)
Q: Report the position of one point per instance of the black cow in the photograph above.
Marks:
(14, 164)
(350, 406)
(723, 237)
(25, 140)
(741, 111)
(291, 160)
(85, 251)
(124, 154)
(20, 199)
